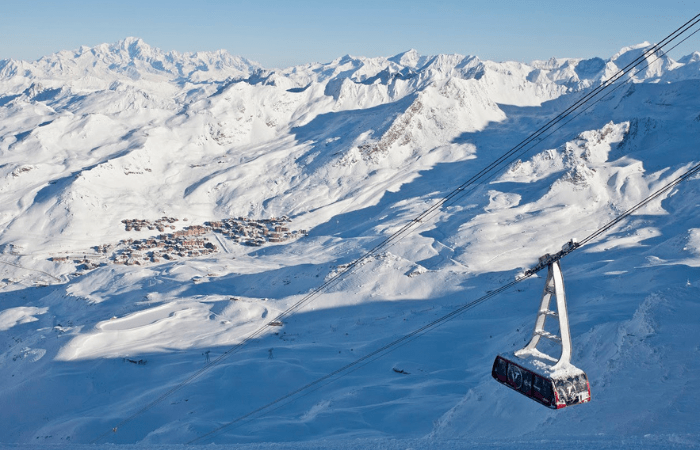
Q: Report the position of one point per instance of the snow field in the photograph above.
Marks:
(351, 151)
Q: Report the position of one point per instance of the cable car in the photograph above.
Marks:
(555, 383)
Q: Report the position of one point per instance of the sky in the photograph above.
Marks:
(278, 33)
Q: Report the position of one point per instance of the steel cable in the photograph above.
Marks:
(414, 222)
(376, 354)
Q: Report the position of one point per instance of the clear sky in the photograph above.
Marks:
(279, 33)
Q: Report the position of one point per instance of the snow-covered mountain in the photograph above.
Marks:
(159, 207)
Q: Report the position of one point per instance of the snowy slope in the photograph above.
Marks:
(349, 151)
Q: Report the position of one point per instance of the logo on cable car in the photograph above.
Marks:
(515, 376)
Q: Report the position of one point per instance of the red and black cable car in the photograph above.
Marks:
(555, 383)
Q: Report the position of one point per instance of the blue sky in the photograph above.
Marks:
(282, 33)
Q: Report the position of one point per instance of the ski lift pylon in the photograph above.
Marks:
(556, 383)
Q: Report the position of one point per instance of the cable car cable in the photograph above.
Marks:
(532, 145)
(369, 356)
(629, 80)
(447, 317)
(406, 228)
(688, 174)
(492, 166)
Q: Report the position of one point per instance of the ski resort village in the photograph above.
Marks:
(190, 241)
(402, 252)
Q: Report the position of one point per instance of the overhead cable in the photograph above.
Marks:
(378, 353)
(413, 223)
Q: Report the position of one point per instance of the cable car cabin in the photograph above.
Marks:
(553, 389)
(556, 383)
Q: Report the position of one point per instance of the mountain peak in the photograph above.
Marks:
(691, 58)
(137, 48)
(410, 58)
(133, 57)
(131, 40)
(631, 50)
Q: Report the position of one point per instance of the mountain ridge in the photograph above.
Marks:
(132, 57)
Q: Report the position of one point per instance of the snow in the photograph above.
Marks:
(22, 314)
(350, 151)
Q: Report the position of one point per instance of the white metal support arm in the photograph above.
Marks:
(553, 286)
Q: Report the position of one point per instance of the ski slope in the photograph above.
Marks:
(350, 151)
